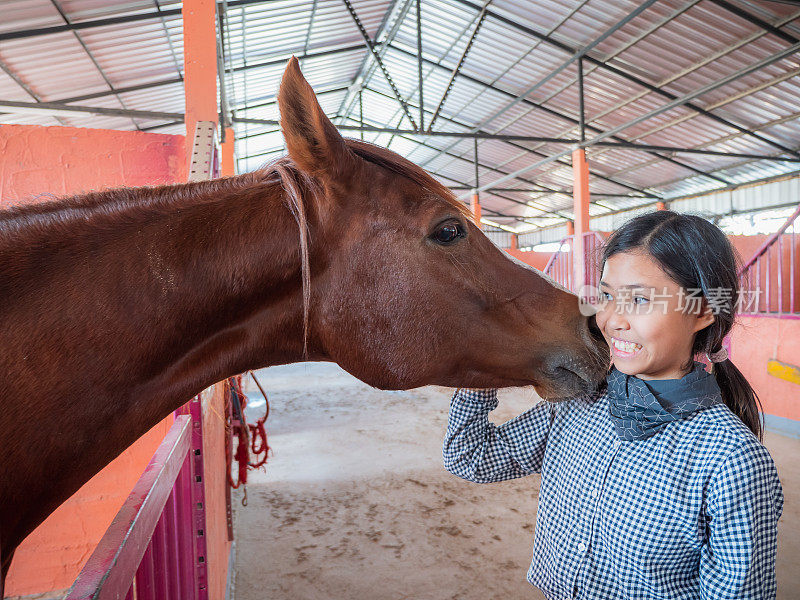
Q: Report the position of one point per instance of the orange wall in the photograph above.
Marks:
(35, 164)
(53, 555)
(38, 162)
(754, 340)
(538, 260)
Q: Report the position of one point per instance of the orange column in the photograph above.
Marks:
(227, 165)
(580, 195)
(661, 206)
(200, 65)
(476, 208)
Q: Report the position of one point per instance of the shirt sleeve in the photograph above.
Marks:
(744, 503)
(477, 450)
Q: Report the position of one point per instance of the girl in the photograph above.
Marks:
(657, 486)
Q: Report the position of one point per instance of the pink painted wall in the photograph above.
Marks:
(37, 163)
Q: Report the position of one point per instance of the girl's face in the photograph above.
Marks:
(648, 320)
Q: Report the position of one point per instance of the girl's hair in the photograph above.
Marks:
(697, 255)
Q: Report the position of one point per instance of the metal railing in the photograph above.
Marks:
(154, 548)
(560, 265)
(767, 280)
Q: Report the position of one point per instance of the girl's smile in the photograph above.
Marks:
(624, 349)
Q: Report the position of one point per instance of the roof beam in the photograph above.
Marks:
(58, 109)
(456, 69)
(739, 12)
(121, 90)
(482, 135)
(284, 58)
(414, 132)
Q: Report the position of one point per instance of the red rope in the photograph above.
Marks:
(258, 436)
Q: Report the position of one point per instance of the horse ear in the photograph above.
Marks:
(313, 142)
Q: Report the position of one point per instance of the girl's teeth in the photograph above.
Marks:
(626, 346)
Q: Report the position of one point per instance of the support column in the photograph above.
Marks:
(475, 206)
(200, 65)
(580, 194)
(476, 202)
(227, 161)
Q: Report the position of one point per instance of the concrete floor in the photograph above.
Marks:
(355, 504)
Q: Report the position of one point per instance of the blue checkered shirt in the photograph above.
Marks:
(691, 512)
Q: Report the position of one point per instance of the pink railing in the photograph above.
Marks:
(155, 547)
(767, 280)
(560, 265)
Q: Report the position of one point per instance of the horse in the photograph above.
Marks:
(117, 306)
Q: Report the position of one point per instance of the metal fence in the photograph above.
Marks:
(561, 264)
(155, 547)
(767, 280)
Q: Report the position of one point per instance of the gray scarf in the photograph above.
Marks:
(640, 409)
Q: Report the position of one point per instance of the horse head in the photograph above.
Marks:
(406, 290)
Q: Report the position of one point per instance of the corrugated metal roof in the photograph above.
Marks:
(634, 66)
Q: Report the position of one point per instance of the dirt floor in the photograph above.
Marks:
(355, 503)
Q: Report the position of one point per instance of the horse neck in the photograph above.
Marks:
(138, 310)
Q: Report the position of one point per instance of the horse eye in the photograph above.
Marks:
(447, 233)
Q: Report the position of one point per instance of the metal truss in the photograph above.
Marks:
(456, 69)
(368, 66)
(526, 102)
(579, 56)
(619, 72)
(58, 109)
(371, 46)
(673, 104)
(89, 54)
(481, 135)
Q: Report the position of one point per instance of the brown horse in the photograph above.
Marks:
(118, 306)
